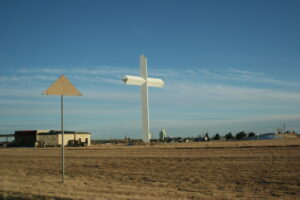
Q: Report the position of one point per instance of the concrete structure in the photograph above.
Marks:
(144, 82)
(44, 138)
(162, 134)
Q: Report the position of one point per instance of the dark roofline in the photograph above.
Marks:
(66, 133)
(48, 132)
(25, 131)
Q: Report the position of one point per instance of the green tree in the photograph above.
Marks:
(216, 137)
(251, 134)
(240, 135)
(229, 136)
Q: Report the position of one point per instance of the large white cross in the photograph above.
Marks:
(144, 82)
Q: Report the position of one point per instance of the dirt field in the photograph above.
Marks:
(205, 170)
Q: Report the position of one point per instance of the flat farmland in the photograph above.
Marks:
(204, 170)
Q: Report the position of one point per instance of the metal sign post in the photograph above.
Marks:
(62, 86)
(144, 82)
(62, 139)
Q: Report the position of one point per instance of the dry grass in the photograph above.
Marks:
(212, 170)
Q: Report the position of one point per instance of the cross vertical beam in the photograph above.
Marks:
(145, 104)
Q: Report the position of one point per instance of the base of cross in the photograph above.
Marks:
(147, 138)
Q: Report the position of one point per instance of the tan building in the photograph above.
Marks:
(47, 138)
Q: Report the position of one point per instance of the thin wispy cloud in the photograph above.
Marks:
(221, 122)
(190, 98)
(110, 74)
(102, 70)
(96, 79)
(246, 73)
(247, 76)
(191, 87)
(19, 78)
(41, 70)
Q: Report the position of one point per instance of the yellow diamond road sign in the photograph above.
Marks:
(62, 86)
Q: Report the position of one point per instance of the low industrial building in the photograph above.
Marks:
(51, 138)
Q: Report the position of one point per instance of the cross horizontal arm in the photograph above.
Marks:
(155, 82)
(133, 80)
(137, 80)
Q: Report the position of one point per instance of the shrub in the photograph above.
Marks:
(251, 134)
(216, 137)
(240, 135)
(229, 136)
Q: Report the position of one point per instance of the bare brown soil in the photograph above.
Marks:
(207, 170)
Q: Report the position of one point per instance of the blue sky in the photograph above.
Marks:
(227, 65)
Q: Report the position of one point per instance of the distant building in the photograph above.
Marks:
(278, 131)
(162, 134)
(44, 138)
